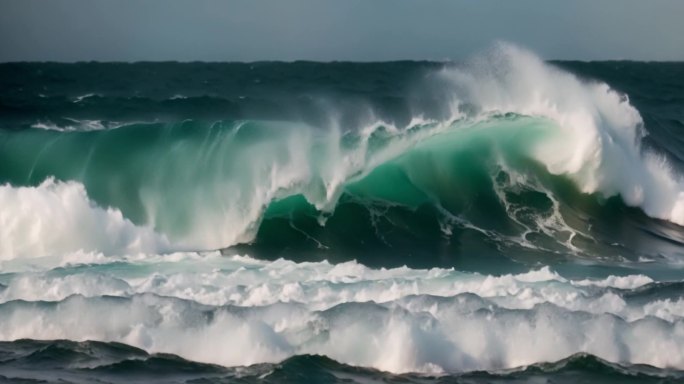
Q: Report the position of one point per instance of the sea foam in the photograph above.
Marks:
(55, 218)
(240, 311)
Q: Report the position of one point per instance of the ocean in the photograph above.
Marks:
(501, 219)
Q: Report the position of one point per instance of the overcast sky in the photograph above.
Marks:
(231, 30)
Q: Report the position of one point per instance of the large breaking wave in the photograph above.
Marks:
(512, 130)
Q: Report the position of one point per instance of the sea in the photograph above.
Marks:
(496, 219)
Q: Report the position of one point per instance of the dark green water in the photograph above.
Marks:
(125, 364)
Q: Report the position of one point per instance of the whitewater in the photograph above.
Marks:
(240, 311)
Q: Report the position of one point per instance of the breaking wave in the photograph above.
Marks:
(513, 131)
(236, 311)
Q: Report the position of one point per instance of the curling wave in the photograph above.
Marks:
(492, 165)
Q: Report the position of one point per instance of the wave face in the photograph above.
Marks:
(494, 220)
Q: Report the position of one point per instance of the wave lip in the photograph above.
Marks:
(599, 132)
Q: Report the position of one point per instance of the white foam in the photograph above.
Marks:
(622, 282)
(79, 125)
(215, 280)
(57, 218)
(419, 334)
(237, 311)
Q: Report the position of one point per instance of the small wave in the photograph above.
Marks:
(75, 125)
(86, 361)
(79, 99)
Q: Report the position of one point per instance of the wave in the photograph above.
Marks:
(284, 278)
(600, 132)
(513, 129)
(80, 98)
(83, 361)
(210, 308)
(70, 125)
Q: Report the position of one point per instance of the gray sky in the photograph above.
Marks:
(247, 30)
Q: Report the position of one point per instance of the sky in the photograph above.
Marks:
(326, 30)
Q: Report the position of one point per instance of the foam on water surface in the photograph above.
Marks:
(240, 311)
